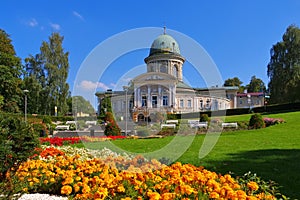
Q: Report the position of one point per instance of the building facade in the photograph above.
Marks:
(162, 89)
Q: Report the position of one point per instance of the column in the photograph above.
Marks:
(235, 101)
(159, 97)
(170, 96)
(173, 94)
(149, 105)
(138, 97)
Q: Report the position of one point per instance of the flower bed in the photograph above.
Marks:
(58, 141)
(88, 174)
(272, 121)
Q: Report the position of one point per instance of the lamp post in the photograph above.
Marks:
(126, 108)
(25, 111)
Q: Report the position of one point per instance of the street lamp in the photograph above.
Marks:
(126, 108)
(25, 111)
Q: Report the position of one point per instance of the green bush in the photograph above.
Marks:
(204, 118)
(256, 121)
(17, 142)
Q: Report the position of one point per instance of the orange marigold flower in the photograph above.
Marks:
(214, 195)
(66, 189)
(252, 186)
(153, 195)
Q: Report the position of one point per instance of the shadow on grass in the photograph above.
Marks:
(279, 165)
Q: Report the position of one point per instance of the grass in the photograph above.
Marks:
(272, 153)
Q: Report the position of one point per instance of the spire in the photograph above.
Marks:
(165, 30)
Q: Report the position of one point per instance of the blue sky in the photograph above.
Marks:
(238, 35)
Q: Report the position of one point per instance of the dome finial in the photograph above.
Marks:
(165, 30)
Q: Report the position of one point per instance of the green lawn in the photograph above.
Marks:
(272, 153)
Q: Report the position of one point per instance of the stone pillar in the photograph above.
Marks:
(159, 97)
(180, 72)
(173, 94)
(234, 101)
(170, 96)
(149, 97)
(138, 99)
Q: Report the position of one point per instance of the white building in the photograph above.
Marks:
(161, 88)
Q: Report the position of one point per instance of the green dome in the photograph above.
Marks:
(164, 44)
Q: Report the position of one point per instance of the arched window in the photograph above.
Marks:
(175, 71)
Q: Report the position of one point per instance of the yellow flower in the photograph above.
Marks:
(66, 189)
(252, 186)
(68, 180)
(214, 195)
(121, 188)
(153, 195)
(52, 180)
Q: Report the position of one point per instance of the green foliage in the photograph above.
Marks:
(1, 102)
(111, 128)
(284, 68)
(10, 72)
(256, 121)
(256, 85)
(267, 187)
(204, 118)
(46, 76)
(17, 142)
(234, 82)
(172, 116)
(105, 106)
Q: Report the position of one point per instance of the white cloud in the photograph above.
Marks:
(79, 16)
(89, 85)
(56, 27)
(32, 22)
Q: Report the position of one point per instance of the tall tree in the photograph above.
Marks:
(47, 74)
(235, 82)
(256, 85)
(284, 68)
(10, 72)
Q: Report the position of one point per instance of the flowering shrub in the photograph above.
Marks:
(111, 127)
(272, 121)
(138, 178)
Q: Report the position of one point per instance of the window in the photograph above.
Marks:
(181, 103)
(189, 103)
(201, 104)
(163, 69)
(151, 68)
(165, 100)
(154, 101)
(207, 104)
(144, 101)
